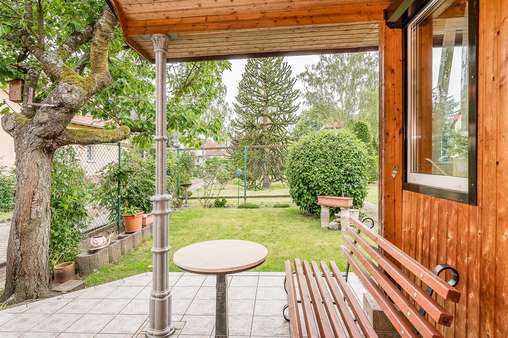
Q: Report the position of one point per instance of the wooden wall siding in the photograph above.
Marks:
(391, 112)
(472, 238)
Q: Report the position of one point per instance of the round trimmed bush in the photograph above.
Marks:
(327, 163)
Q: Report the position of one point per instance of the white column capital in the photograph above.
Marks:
(160, 42)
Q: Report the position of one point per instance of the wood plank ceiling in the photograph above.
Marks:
(208, 29)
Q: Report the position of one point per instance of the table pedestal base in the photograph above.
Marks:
(221, 307)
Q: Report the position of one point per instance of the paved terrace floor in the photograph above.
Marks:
(120, 308)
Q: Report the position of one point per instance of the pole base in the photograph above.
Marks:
(163, 334)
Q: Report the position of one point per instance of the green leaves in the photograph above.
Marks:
(327, 163)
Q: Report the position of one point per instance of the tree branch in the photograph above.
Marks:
(75, 41)
(87, 135)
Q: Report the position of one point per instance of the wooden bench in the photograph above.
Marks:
(321, 303)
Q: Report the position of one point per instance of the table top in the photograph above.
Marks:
(220, 256)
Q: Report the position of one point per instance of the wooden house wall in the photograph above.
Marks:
(472, 238)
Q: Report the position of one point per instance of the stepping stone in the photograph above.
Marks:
(69, 286)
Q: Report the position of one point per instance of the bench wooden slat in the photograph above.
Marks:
(437, 284)
(325, 321)
(419, 322)
(295, 326)
(347, 294)
(399, 322)
(308, 313)
(433, 309)
(331, 307)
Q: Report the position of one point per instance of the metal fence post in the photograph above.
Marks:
(245, 159)
(118, 190)
(177, 168)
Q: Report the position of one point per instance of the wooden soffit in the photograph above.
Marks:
(208, 29)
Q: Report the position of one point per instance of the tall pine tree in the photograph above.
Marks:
(265, 110)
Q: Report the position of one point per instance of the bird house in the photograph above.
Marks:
(16, 90)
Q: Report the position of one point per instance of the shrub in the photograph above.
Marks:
(327, 163)
(220, 203)
(137, 183)
(7, 190)
(217, 172)
(70, 194)
(248, 206)
(362, 131)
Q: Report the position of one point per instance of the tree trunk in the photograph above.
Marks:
(27, 253)
(266, 182)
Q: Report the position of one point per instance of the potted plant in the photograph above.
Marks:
(63, 272)
(147, 219)
(132, 219)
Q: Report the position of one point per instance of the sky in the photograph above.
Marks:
(232, 77)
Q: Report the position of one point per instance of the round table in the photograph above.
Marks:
(220, 257)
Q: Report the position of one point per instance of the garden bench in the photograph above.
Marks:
(321, 303)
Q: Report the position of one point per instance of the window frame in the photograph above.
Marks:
(469, 197)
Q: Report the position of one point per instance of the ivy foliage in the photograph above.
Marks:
(331, 163)
(70, 195)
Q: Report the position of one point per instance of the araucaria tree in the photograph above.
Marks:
(64, 51)
(264, 113)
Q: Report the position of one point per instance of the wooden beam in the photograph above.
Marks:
(395, 12)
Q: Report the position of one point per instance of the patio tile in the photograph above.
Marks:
(78, 305)
(39, 335)
(5, 316)
(206, 292)
(190, 280)
(180, 306)
(269, 327)
(240, 325)
(244, 281)
(48, 306)
(271, 293)
(109, 306)
(91, 323)
(201, 308)
(198, 325)
(58, 322)
(242, 293)
(138, 280)
(241, 307)
(125, 324)
(97, 292)
(183, 292)
(11, 334)
(112, 335)
(22, 322)
(144, 293)
(136, 307)
(124, 292)
(17, 309)
(269, 307)
(273, 281)
(74, 335)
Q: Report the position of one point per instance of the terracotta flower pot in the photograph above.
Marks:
(133, 223)
(147, 219)
(64, 271)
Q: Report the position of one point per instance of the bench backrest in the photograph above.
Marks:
(392, 278)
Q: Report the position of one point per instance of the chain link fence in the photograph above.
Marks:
(245, 176)
(93, 159)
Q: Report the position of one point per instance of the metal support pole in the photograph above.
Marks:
(245, 159)
(177, 167)
(221, 307)
(119, 191)
(160, 298)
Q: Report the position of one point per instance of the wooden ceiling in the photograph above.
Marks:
(207, 29)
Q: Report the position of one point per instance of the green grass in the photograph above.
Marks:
(4, 216)
(285, 232)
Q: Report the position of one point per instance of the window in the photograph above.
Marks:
(441, 105)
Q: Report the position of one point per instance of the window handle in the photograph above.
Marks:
(395, 171)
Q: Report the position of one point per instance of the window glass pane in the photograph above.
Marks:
(438, 91)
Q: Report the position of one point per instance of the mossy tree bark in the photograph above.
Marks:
(38, 133)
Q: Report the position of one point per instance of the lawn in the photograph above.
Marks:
(285, 232)
(5, 216)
